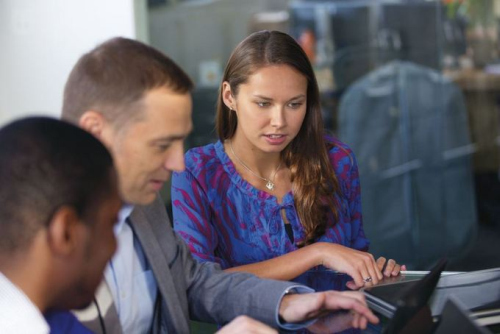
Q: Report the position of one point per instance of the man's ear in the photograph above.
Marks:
(227, 96)
(93, 122)
(64, 231)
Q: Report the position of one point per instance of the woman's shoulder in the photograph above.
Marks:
(200, 156)
(342, 158)
(205, 162)
(338, 149)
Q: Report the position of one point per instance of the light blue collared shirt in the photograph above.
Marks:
(130, 279)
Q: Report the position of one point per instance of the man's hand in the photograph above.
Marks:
(300, 307)
(246, 325)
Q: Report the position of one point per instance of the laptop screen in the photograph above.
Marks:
(402, 301)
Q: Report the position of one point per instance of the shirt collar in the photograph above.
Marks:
(18, 311)
(124, 213)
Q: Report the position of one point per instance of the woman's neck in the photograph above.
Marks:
(262, 163)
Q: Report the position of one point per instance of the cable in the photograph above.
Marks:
(101, 319)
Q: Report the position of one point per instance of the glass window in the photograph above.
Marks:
(413, 87)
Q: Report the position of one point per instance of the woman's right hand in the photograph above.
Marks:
(361, 266)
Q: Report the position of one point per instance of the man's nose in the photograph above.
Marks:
(175, 158)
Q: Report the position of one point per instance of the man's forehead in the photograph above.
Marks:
(171, 130)
(163, 105)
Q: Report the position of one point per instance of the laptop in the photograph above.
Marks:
(402, 301)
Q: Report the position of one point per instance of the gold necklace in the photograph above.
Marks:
(269, 182)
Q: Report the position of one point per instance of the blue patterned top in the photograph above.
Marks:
(225, 219)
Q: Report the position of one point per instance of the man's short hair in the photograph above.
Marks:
(46, 164)
(115, 75)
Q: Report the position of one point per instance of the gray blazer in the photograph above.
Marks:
(200, 291)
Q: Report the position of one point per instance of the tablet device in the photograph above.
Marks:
(455, 319)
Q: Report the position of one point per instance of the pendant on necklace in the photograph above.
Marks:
(270, 185)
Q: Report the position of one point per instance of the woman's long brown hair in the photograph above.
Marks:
(314, 182)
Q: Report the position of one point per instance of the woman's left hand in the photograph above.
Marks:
(389, 268)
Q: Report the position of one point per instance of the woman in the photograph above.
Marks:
(274, 196)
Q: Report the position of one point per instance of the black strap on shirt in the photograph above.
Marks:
(289, 232)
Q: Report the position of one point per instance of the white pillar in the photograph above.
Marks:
(40, 41)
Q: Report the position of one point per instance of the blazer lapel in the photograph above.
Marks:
(105, 305)
(148, 231)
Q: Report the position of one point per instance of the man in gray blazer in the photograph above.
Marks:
(137, 102)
